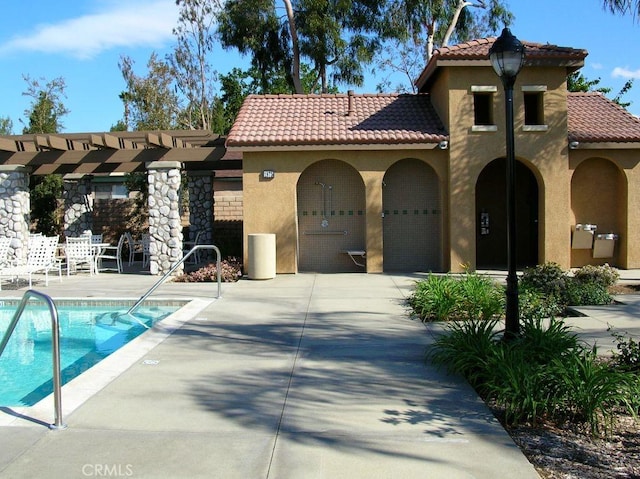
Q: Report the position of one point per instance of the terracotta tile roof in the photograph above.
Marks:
(536, 54)
(593, 118)
(479, 50)
(292, 120)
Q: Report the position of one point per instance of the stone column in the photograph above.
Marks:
(200, 185)
(165, 228)
(78, 204)
(15, 208)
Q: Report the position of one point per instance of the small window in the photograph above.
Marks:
(533, 108)
(483, 109)
(105, 191)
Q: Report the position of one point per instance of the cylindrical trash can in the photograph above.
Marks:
(262, 256)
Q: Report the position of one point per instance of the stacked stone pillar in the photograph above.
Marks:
(78, 204)
(165, 228)
(15, 208)
(200, 185)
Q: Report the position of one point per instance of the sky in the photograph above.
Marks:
(82, 41)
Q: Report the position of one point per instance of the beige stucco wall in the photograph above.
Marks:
(544, 152)
(602, 194)
(270, 205)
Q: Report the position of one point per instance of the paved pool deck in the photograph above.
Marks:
(300, 376)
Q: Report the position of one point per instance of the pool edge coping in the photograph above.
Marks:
(80, 389)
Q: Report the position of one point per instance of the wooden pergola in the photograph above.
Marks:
(81, 157)
(115, 152)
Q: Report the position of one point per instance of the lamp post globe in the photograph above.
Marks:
(507, 57)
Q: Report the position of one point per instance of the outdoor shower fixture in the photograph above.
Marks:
(325, 220)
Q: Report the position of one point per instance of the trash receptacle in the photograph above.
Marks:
(261, 256)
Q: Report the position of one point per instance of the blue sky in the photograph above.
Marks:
(83, 41)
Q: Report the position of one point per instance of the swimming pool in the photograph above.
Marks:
(89, 332)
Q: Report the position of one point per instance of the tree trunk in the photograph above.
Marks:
(462, 4)
(295, 69)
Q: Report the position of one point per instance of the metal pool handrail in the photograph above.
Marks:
(55, 347)
(175, 266)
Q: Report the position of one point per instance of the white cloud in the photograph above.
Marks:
(619, 72)
(597, 66)
(130, 24)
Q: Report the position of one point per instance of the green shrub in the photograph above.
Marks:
(535, 305)
(589, 389)
(231, 271)
(447, 298)
(434, 299)
(603, 275)
(586, 293)
(627, 354)
(547, 279)
(518, 385)
(546, 373)
(466, 347)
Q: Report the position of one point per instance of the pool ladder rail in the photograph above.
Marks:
(174, 267)
(55, 349)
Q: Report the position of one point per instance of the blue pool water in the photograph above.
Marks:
(88, 334)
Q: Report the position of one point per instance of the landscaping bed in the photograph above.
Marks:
(570, 410)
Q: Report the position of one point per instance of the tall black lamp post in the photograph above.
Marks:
(507, 57)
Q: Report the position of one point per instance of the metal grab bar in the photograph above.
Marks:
(175, 266)
(55, 347)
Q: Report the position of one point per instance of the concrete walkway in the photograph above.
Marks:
(302, 376)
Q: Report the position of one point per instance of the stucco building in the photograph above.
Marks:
(417, 182)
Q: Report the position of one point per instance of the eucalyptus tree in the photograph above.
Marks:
(414, 28)
(335, 38)
(6, 126)
(191, 60)
(47, 108)
(150, 102)
(624, 7)
(44, 116)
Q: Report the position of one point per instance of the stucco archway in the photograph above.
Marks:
(491, 216)
(412, 225)
(598, 196)
(331, 217)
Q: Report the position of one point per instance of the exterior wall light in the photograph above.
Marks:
(507, 57)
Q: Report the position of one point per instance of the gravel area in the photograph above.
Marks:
(558, 453)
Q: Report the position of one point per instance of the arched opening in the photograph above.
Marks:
(412, 225)
(491, 216)
(598, 196)
(331, 217)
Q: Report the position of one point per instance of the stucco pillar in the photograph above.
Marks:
(78, 204)
(461, 221)
(200, 184)
(165, 228)
(15, 207)
(373, 227)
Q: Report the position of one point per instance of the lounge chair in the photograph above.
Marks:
(41, 258)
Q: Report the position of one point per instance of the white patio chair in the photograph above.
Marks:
(188, 245)
(5, 243)
(41, 258)
(146, 254)
(134, 247)
(79, 251)
(113, 253)
(96, 238)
